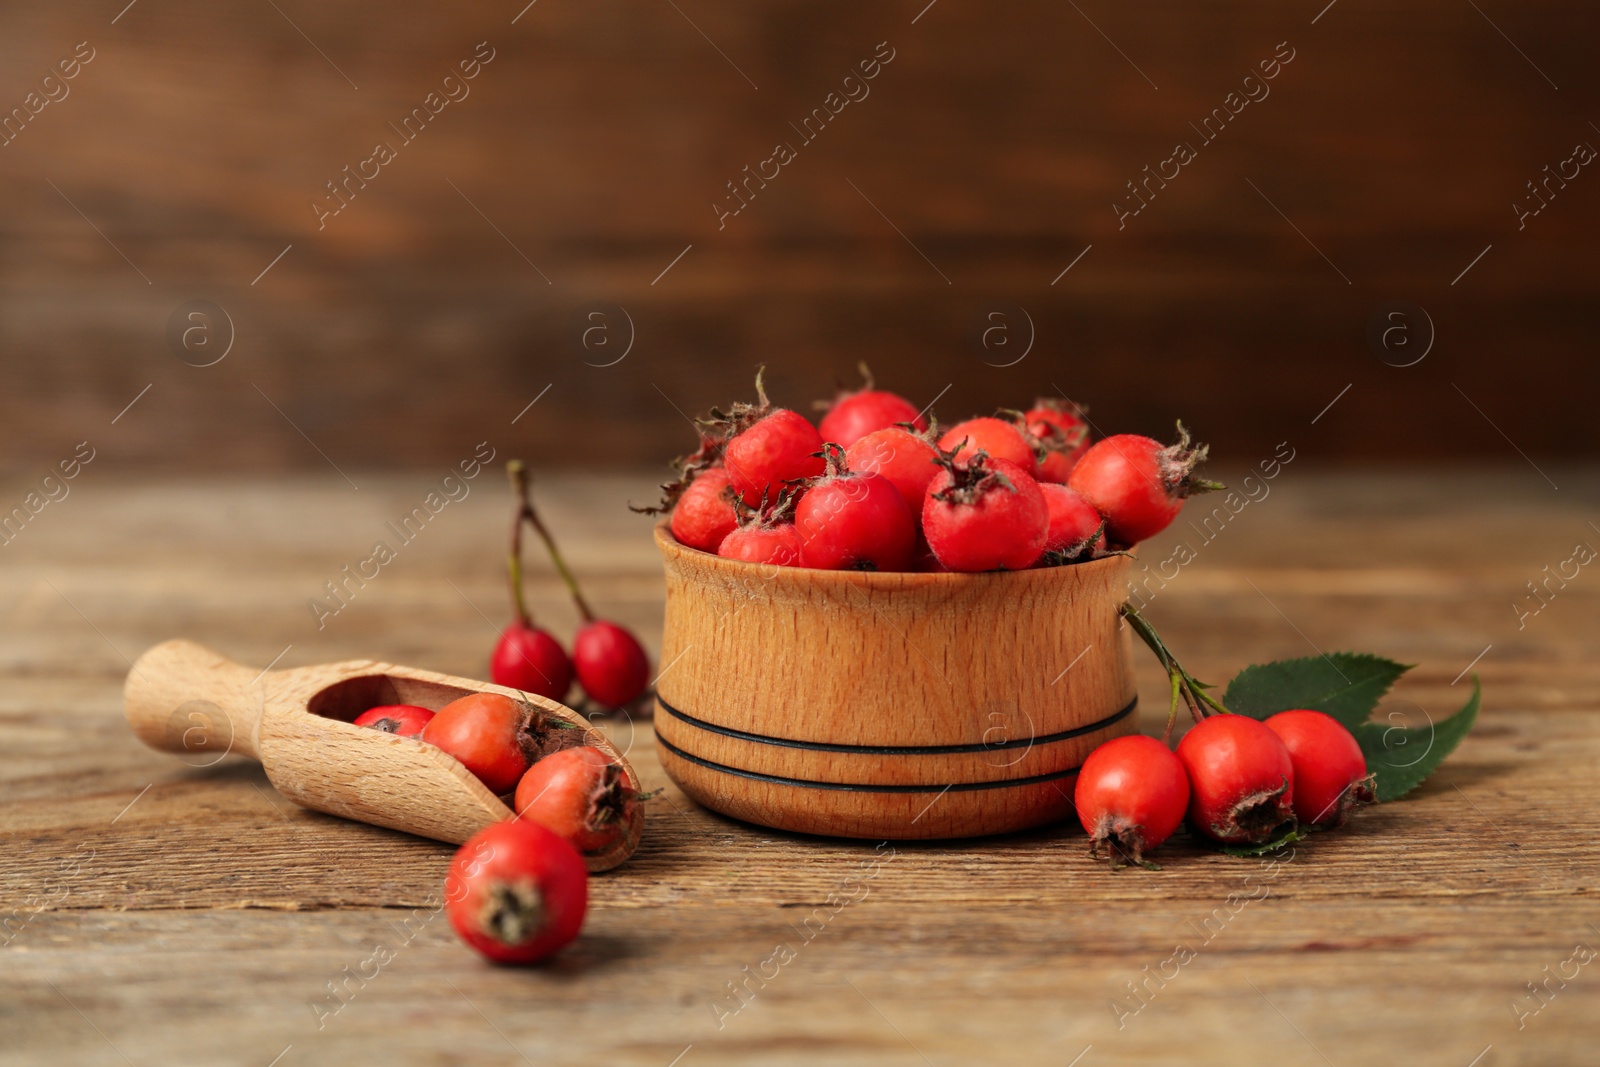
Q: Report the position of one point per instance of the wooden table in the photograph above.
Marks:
(158, 913)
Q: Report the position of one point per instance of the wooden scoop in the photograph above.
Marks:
(184, 698)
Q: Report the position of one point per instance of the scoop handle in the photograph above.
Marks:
(184, 698)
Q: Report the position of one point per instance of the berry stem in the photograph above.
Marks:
(1185, 685)
(525, 513)
(519, 489)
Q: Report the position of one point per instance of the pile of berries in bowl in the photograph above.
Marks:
(876, 486)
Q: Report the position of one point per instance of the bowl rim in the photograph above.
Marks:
(670, 547)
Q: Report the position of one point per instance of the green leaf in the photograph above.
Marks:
(1345, 685)
(1402, 756)
(1289, 837)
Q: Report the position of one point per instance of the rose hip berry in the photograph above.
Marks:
(1062, 433)
(853, 521)
(529, 658)
(1330, 772)
(1241, 779)
(492, 735)
(1131, 794)
(1138, 484)
(985, 515)
(767, 448)
(704, 514)
(777, 545)
(610, 663)
(767, 536)
(402, 720)
(517, 892)
(583, 795)
(1076, 528)
(852, 415)
(907, 459)
(999, 438)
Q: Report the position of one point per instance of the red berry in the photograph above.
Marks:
(985, 515)
(1061, 433)
(1001, 439)
(581, 794)
(907, 459)
(852, 521)
(516, 892)
(851, 416)
(1330, 772)
(1137, 484)
(492, 736)
(777, 545)
(1131, 795)
(530, 659)
(704, 514)
(767, 536)
(402, 720)
(777, 449)
(611, 664)
(1240, 777)
(1075, 526)
(1057, 413)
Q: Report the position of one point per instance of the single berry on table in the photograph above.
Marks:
(517, 892)
(1241, 779)
(1131, 795)
(1330, 771)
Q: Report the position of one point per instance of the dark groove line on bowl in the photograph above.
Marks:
(855, 787)
(899, 750)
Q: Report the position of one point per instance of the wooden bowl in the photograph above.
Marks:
(899, 706)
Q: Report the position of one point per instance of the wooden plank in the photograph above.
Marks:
(167, 913)
(597, 140)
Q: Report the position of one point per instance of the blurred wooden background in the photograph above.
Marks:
(454, 288)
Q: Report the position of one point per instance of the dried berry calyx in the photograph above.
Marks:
(1176, 466)
(723, 426)
(1085, 548)
(688, 467)
(613, 801)
(971, 479)
(1064, 409)
(1052, 439)
(512, 913)
(767, 514)
(1252, 818)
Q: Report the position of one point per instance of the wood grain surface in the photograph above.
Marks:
(155, 913)
(985, 159)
